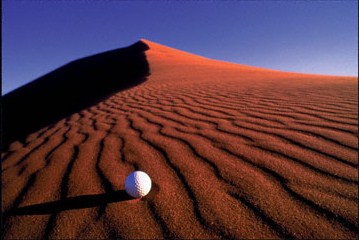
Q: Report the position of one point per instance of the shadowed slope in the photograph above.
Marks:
(79, 202)
(71, 88)
(233, 151)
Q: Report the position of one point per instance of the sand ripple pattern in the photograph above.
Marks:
(238, 159)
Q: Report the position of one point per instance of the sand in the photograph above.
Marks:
(233, 152)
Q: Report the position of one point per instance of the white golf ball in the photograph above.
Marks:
(138, 184)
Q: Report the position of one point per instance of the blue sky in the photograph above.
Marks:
(302, 36)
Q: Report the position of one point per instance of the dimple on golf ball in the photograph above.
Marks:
(138, 184)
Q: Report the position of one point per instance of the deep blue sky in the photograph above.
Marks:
(313, 37)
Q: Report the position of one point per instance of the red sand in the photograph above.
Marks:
(233, 151)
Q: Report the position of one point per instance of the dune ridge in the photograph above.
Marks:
(233, 151)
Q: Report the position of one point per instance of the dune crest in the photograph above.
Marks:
(233, 151)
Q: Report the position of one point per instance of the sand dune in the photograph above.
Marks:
(233, 151)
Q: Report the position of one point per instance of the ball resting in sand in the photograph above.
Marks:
(138, 184)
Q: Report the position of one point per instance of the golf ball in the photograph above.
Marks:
(138, 184)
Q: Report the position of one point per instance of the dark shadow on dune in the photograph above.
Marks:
(85, 201)
(71, 88)
(79, 202)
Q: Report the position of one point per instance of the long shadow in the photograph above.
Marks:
(71, 88)
(79, 202)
